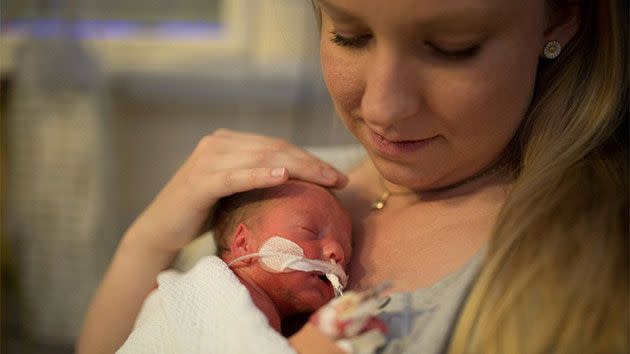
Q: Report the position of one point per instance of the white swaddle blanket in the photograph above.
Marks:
(206, 310)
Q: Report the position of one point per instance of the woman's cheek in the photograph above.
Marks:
(482, 105)
(342, 74)
(462, 104)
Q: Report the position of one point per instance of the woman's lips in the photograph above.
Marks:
(397, 148)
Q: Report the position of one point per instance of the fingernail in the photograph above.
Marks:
(343, 181)
(277, 172)
(329, 174)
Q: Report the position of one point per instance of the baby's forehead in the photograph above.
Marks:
(301, 198)
(303, 191)
(304, 204)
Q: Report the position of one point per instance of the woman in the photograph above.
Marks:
(498, 131)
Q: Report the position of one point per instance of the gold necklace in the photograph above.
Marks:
(379, 203)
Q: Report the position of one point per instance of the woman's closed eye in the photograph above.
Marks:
(464, 52)
(350, 41)
(440, 51)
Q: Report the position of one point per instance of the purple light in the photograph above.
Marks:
(95, 29)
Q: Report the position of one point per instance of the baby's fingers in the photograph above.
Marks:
(375, 323)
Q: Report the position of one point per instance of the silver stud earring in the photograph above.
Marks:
(552, 49)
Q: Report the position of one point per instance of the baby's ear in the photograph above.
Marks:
(241, 241)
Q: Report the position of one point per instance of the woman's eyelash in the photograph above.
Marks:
(455, 54)
(354, 42)
(361, 41)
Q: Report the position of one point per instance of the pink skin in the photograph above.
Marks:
(309, 216)
(428, 121)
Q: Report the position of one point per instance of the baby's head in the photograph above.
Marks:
(304, 213)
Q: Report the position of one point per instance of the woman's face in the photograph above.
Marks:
(434, 89)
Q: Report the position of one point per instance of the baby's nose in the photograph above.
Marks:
(334, 251)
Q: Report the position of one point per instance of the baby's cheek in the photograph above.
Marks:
(313, 250)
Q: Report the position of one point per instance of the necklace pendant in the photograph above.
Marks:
(380, 202)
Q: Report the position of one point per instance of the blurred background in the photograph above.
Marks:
(101, 101)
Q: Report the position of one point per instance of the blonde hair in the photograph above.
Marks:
(555, 278)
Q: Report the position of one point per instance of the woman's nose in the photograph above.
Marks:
(333, 250)
(391, 90)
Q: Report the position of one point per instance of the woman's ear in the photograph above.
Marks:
(563, 22)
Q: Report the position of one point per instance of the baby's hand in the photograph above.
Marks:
(351, 314)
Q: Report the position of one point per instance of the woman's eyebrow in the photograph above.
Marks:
(449, 18)
(338, 13)
(462, 18)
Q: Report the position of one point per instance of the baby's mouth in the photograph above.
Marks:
(322, 277)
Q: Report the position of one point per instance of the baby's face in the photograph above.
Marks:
(312, 218)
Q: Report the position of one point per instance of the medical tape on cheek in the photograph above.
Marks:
(275, 254)
(295, 260)
(280, 255)
(333, 271)
(261, 256)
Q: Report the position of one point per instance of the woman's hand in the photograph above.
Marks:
(310, 340)
(224, 163)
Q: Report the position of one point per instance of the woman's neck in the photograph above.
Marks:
(461, 188)
(262, 300)
(494, 175)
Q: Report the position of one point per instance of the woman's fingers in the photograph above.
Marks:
(227, 150)
(224, 163)
(228, 182)
(309, 169)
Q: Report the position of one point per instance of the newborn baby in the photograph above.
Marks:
(295, 217)
(281, 251)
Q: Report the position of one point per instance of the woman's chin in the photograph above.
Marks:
(406, 175)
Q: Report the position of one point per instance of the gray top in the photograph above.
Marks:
(422, 321)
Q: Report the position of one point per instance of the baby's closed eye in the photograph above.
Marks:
(309, 232)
